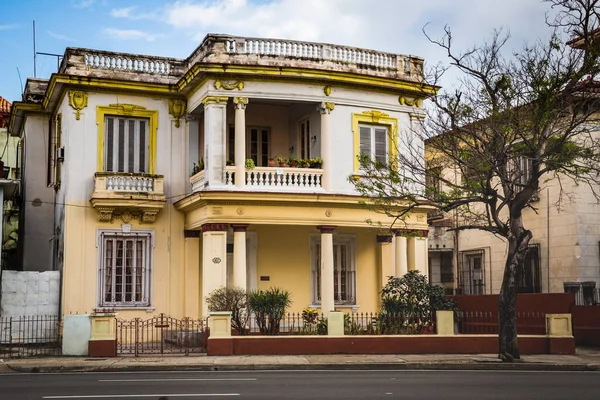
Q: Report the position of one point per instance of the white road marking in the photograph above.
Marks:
(177, 379)
(122, 396)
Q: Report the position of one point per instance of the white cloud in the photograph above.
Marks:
(60, 37)
(7, 27)
(131, 13)
(129, 34)
(83, 3)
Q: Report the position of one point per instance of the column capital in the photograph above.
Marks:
(239, 227)
(214, 227)
(240, 103)
(214, 100)
(191, 234)
(384, 238)
(326, 228)
(326, 107)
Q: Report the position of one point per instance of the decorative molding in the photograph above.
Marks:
(240, 102)
(327, 90)
(239, 227)
(105, 214)
(191, 234)
(416, 116)
(326, 107)
(213, 227)
(328, 213)
(214, 100)
(375, 115)
(326, 228)
(148, 216)
(127, 109)
(78, 100)
(384, 238)
(229, 85)
(412, 232)
(177, 110)
(410, 102)
(126, 217)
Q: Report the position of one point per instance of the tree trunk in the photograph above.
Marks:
(518, 241)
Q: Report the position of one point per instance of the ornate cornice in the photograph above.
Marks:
(78, 100)
(229, 85)
(326, 228)
(213, 227)
(214, 100)
(375, 115)
(177, 110)
(412, 232)
(239, 227)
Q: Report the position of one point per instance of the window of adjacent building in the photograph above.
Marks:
(446, 267)
(528, 273)
(126, 144)
(433, 183)
(373, 142)
(586, 293)
(344, 269)
(125, 269)
(472, 272)
(304, 138)
(259, 145)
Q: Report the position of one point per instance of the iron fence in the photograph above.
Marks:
(30, 336)
(161, 335)
(486, 322)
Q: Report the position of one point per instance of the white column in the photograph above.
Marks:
(417, 255)
(214, 260)
(386, 253)
(215, 140)
(239, 255)
(401, 256)
(327, 295)
(240, 141)
(326, 146)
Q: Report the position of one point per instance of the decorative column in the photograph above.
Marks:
(191, 274)
(401, 255)
(417, 253)
(215, 139)
(214, 259)
(326, 147)
(327, 294)
(240, 141)
(386, 254)
(239, 255)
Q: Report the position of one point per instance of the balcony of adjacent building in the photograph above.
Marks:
(243, 144)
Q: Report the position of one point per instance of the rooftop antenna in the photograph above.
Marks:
(34, 72)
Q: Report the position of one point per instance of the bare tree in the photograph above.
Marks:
(511, 124)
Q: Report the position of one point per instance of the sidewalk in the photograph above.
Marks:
(585, 360)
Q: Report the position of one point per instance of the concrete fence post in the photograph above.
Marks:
(103, 340)
(444, 321)
(559, 325)
(219, 323)
(335, 324)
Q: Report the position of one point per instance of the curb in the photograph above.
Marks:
(308, 367)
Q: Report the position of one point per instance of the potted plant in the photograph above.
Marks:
(229, 162)
(316, 162)
(281, 161)
(305, 163)
(271, 162)
(249, 164)
(198, 167)
(294, 162)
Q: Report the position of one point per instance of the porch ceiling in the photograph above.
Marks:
(287, 209)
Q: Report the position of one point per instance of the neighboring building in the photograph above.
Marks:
(9, 188)
(134, 232)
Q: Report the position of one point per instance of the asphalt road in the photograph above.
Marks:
(422, 385)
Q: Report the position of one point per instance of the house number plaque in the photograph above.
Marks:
(216, 260)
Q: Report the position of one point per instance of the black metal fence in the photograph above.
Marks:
(161, 335)
(30, 336)
(354, 324)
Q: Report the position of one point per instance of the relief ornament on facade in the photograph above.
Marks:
(177, 110)
(78, 100)
(229, 85)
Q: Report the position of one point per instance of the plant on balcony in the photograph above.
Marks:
(198, 167)
(316, 162)
(305, 163)
(294, 162)
(271, 162)
(282, 161)
(229, 163)
(249, 164)
(269, 307)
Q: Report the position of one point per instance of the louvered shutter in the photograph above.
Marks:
(381, 145)
(110, 144)
(365, 140)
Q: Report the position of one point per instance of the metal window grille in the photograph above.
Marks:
(528, 273)
(472, 272)
(125, 269)
(344, 272)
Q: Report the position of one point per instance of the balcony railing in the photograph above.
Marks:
(125, 182)
(276, 179)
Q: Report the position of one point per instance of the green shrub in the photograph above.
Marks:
(232, 299)
(269, 307)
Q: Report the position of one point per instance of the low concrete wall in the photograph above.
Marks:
(586, 325)
(77, 331)
(410, 344)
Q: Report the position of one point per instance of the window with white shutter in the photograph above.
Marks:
(374, 142)
(125, 268)
(344, 269)
(126, 145)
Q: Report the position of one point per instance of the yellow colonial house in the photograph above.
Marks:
(173, 177)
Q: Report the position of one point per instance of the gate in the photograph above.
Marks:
(161, 335)
(30, 336)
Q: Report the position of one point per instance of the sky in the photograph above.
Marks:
(176, 28)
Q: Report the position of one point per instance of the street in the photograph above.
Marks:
(447, 385)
